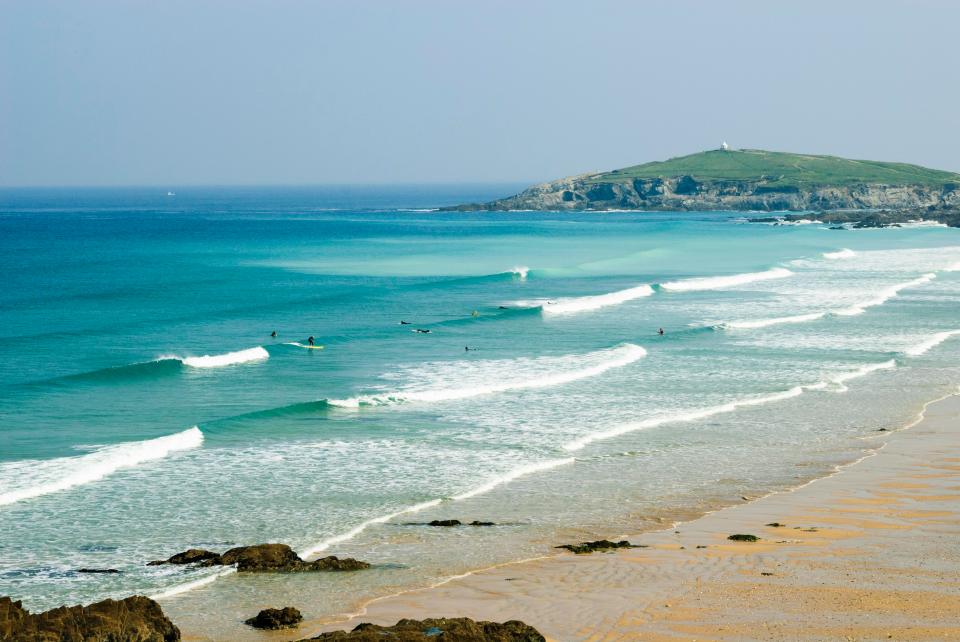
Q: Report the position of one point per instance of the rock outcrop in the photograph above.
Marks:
(274, 619)
(599, 545)
(687, 193)
(133, 619)
(263, 558)
(459, 629)
(746, 179)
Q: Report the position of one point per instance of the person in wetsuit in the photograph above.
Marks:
(660, 332)
(310, 340)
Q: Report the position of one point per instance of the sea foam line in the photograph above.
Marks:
(717, 282)
(586, 303)
(189, 586)
(228, 359)
(479, 490)
(924, 346)
(858, 308)
(838, 382)
(609, 359)
(41, 477)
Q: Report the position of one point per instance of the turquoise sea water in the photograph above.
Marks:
(146, 409)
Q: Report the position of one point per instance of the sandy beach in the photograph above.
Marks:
(868, 553)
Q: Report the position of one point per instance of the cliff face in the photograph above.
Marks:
(688, 193)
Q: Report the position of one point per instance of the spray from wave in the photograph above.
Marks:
(448, 380)
(32, 478)
(845, 253)
(227, 359)
(718, 282)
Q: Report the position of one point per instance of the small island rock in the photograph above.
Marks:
(132, 619)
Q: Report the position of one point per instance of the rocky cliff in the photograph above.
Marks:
(743, 180)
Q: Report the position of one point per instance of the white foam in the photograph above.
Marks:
(31, 478)
(837, 381)
(189, 586)
(845, 253)
(953, 268)
(587, 303)
(514, 474)
(227, 359)
(717, 282)
(925, 346)
(521, 271)
(474, 378)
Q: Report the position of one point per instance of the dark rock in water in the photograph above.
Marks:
(97, 570)
(460, 629)
(189, 556)
(264, 558)
(285, 618)
(740, 537)
(776, 525)
(445, 522)
(133, 619)
(599, 545)
(476, 523)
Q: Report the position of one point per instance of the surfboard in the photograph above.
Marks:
(303, 345)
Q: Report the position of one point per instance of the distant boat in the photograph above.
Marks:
(171, 193)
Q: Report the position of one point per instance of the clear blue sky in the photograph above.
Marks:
(176, 92)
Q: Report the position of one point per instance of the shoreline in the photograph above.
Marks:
(550, 605)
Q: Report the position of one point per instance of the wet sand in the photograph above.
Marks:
(869, 553)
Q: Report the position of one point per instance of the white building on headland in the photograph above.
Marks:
(724, 146)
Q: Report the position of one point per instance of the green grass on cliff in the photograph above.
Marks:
(781, 169)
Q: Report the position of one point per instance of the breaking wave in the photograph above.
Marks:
(717, 282)
(447, 380)
(32, 478)
(227, 359)
(587, 303)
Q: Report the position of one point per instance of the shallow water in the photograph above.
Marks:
(146, 408)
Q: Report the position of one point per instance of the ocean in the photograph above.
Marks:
(503, 367)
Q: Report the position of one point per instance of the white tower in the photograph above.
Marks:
(724, 146)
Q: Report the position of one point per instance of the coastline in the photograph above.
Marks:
(886, 520)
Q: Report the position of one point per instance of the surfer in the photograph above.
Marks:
(422, 331)
(503, 307)
(404, 323)
(474, 314)
(274, 334)
(310, 340)
(660, 332)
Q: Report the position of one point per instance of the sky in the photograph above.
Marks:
(234, 92)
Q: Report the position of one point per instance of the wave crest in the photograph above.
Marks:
(227, 359)
(845, 253)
